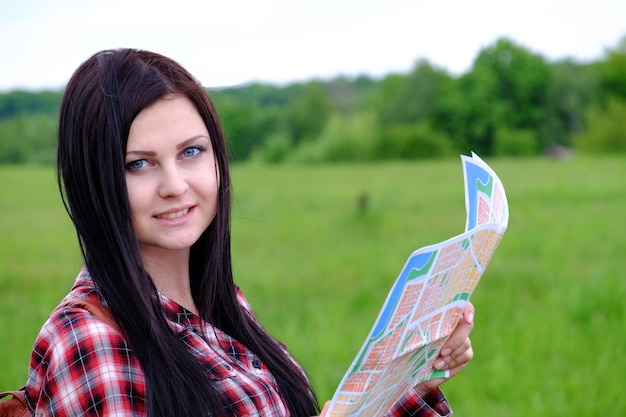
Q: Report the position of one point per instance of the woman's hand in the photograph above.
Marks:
(455, 353)
(323, 413)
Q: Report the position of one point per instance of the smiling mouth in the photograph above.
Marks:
(174, 215)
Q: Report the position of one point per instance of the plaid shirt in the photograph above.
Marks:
(80, 366)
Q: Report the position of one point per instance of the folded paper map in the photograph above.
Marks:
(425, 303)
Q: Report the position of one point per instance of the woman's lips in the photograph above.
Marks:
(173, 215)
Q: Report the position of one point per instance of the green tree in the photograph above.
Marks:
(28, 139)
(572, 88)
(515, 142)
(413, 141)
(605, 132)
(275, 149)
(247, 125)
(19, 102)
(505, 88)
(385, 91)
(344, 138)
(346, 95)
(613, 71)
(414, 97)
(306, 116)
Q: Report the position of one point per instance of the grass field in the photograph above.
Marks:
(550, 310)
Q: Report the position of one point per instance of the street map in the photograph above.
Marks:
(425, 303)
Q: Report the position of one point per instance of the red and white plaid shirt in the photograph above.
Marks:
(81, 366)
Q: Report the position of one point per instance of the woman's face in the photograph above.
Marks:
(171, 175)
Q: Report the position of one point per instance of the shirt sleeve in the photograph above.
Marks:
(81, 366)
(433, 404)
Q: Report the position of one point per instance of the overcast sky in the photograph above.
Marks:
(280, 41)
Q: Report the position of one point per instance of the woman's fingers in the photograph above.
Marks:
(455, 353)
(458, 348)
(463, 353)
(459, 362)
(325, 409)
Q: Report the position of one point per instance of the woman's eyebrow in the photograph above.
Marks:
(180, 146)
(141, 153)
(189, 141)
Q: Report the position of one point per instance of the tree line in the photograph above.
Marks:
(511, 102)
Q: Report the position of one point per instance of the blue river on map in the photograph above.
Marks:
(417, 261)
(474, 173)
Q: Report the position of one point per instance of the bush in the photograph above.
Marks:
(28, 139)
(414, 141)
(605, 132)
(516, 142)
(274, 150)
(342, 139)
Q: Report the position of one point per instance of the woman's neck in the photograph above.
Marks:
(169, 271)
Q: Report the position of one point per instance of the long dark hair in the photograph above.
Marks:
(100, 102)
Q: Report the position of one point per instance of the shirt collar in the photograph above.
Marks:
(177, 316)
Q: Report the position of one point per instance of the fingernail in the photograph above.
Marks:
(440, 365)
(470, 318)
(446, 352)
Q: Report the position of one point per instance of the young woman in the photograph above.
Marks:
(143, 171)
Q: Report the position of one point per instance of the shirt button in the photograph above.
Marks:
(256, 363)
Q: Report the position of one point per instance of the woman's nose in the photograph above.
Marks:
(173, 182)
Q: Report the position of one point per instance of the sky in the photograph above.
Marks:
(235, 42)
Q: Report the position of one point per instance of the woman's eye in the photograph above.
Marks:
(136, 165)
(192, 151)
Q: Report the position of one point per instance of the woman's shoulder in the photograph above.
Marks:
(72, 331)
(242, 300)
(82, 315)
(74, 319)
(76, 351)
(74, 336)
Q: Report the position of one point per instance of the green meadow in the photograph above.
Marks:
(316, 249)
